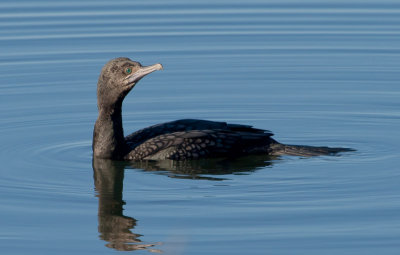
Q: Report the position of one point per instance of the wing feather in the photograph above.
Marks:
(195, 144)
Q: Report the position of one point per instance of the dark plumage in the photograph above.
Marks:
(177, 140)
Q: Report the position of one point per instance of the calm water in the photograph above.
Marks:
(314, 73)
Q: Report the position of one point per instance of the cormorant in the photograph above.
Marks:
(176, 140)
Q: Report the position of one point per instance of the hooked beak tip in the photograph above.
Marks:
(159, 66)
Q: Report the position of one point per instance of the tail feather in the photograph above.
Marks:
(305, 151)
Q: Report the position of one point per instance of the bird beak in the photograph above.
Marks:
(141, 72)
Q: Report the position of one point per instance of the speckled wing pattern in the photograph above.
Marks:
(192, 139)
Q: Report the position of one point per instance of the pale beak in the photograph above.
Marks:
(143, 71)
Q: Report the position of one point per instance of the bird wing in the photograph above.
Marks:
(193, 144)
(143, 135)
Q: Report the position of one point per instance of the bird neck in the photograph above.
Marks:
(108, 135)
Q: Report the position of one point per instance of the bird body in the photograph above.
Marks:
(176, 140)
(193, 139)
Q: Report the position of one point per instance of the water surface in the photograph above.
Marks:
(313, 73)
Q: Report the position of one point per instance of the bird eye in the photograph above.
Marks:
(128, 70)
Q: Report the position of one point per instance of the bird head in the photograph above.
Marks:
(118, 77)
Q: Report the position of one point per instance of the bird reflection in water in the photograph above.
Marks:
(215, 169)
(115, 228)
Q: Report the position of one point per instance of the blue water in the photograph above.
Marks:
(312, 72)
